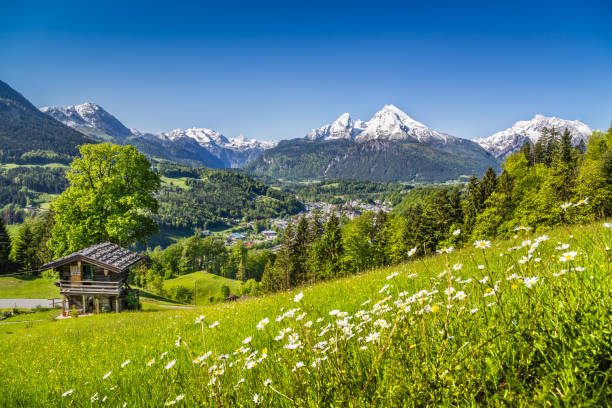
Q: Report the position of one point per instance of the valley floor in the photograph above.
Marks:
(524, 322)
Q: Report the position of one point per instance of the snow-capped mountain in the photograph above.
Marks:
(236, 152)
(93, 120)
(211, 138)
(390, 147)
(389, 123)
(342, 128)
(88, 117)
(511, 140)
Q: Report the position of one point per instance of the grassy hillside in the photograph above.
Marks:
(514, 331)
(27, 287)
(207, 285)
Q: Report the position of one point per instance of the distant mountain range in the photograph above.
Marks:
(506, 142)
(391, 146)
(194, 146)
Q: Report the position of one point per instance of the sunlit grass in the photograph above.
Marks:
(206, 285)
(27, 287)
(510, 333)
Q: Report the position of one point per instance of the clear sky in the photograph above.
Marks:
(273, 70)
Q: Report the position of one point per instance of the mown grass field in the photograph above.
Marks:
(207, 286)
(27, 287)
(525, 322)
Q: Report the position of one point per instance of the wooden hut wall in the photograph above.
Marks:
(64, 272)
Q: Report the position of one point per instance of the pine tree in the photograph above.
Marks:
(241, 274)
(487, 185)
(538, 152)
(381, 237)
(5, 247)
(565, 149)
(283, 262)
(455, 209)
(472, 205)
(316, 229)
(298, 253)
(526, 151)
(269, 282)
(23, 249)
(328, 250)
(551, 143)
(581, 147)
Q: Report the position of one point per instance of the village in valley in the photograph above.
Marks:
(319, 210)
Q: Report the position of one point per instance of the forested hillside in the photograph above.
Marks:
(29, 136)
(376, 160)
(338, 191)
(202, 198)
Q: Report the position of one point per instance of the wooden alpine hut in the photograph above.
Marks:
(94, 278)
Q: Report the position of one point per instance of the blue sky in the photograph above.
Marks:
(273, 70)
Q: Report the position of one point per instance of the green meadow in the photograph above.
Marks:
(27, 287)
(525, 322)
(207, 286)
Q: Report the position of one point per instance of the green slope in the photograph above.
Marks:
(206, 285)
(544, 345)
(27, 287)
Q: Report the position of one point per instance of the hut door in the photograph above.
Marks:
(75, 273)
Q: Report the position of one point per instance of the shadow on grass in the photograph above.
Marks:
(26, 277)
(156, 298)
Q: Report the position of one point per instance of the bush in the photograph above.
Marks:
(225, 291)
(250, 288)
(181, 294)
(49, 274)
(74, 312)
(131, 301)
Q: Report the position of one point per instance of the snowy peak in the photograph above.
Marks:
(209, 138)
(203, 136)
(511, 140)
(88, 117)
(389, 123)
(342, 128)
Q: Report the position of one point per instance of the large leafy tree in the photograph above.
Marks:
(110, 198)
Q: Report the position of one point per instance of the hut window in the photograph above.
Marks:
(88, 272)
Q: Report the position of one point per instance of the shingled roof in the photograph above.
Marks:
(107, 255)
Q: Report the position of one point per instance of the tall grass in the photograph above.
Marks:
(517, 323)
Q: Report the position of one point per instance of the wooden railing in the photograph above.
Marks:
(87, 287)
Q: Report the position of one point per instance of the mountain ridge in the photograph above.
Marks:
(29, 136)
(389, 123)
(91, 119)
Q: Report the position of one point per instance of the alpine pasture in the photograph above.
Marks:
(525, 322)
